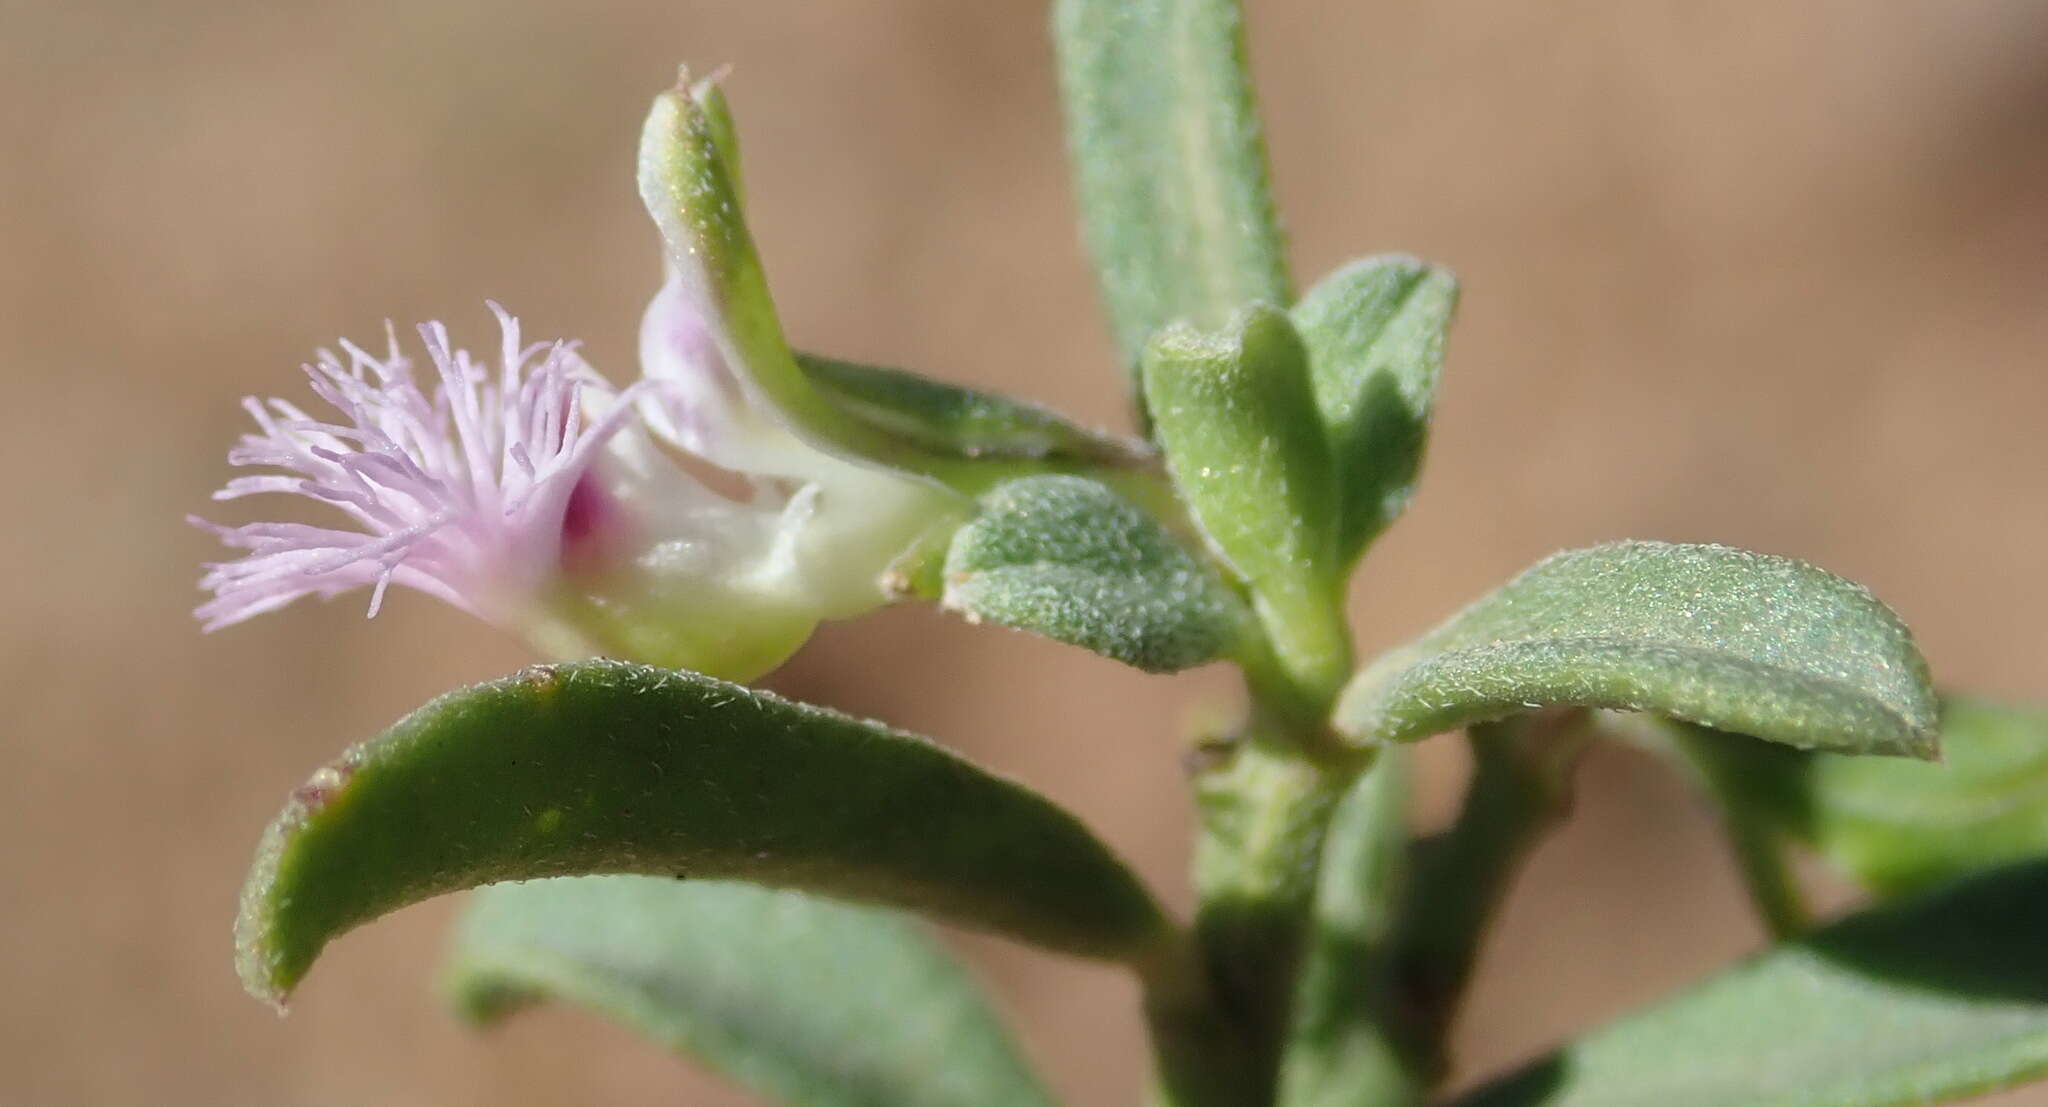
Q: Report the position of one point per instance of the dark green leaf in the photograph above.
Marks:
(1917, 1003)
(948, 419)
(808, 1001)
(1236, 416)
(1169, 162)
(1375, 336)
(1067, 558)
(1738, 641)
(602, 767)
(1898, 826)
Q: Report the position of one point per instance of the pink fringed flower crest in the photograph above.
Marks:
(459, 491)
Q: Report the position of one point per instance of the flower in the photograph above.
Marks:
(706, 518)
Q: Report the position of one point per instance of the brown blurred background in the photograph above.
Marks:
(1769, 274)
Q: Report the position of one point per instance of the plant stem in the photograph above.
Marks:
(1520, 789)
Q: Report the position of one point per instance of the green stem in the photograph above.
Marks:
(1757, 846)
(1344, 1045)
(1520, 789)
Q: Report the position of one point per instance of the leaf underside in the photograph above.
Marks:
(804, 1000)
(1927, 1000)
(1738, 641)
(605, 767)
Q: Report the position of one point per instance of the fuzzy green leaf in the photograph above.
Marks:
(1924, 1001)
(1237, 419)
(1743, 642)
(606, 767)
(804, 1000)
(1375, 334)
(1169, 162)
(1067, 558)
(951, 420)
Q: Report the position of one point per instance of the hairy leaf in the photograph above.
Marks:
(602, 767)
(1236, 416)
(1924, 1001)
(1375, 335)
(1067, 558)
(1169, 162)
(808, 1001)
(1743, 642)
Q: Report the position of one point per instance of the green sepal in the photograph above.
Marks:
(1375, 333)
(607, 767)
(804, 1000)
(1923, 1001)
(1237, 419)
(1066, 558)
(1169, 162)
(1738, 641)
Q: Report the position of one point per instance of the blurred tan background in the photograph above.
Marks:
(1769, 274)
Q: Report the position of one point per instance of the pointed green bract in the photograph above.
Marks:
(1067, 558)
(800, 999)
(606, 767)
(948, 419)
(1928, 1000)
(1375, 334)
(1743, 642)
(1169, 162)
(1235, 415)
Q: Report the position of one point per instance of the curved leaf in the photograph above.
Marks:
(1375, 334)
(1738, 641)
(1917, 1003)
(1169, 162)
(804, 1000)
(1067, 558)
(948, 419)
(601, 767)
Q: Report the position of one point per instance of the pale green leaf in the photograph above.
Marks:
(1375, 334)
(606, 767)
(808, 1001)
(1169, 162)
(1066, 558)
(1921, 1002)
(1237, 419)
(1743, 642)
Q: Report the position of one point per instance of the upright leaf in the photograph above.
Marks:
(1169, 162)
(1929, 1000)
(605, 767)
(1743, 642)
(804, 1000)
(1375, 335)
(1236, 416)
(1067, 558)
